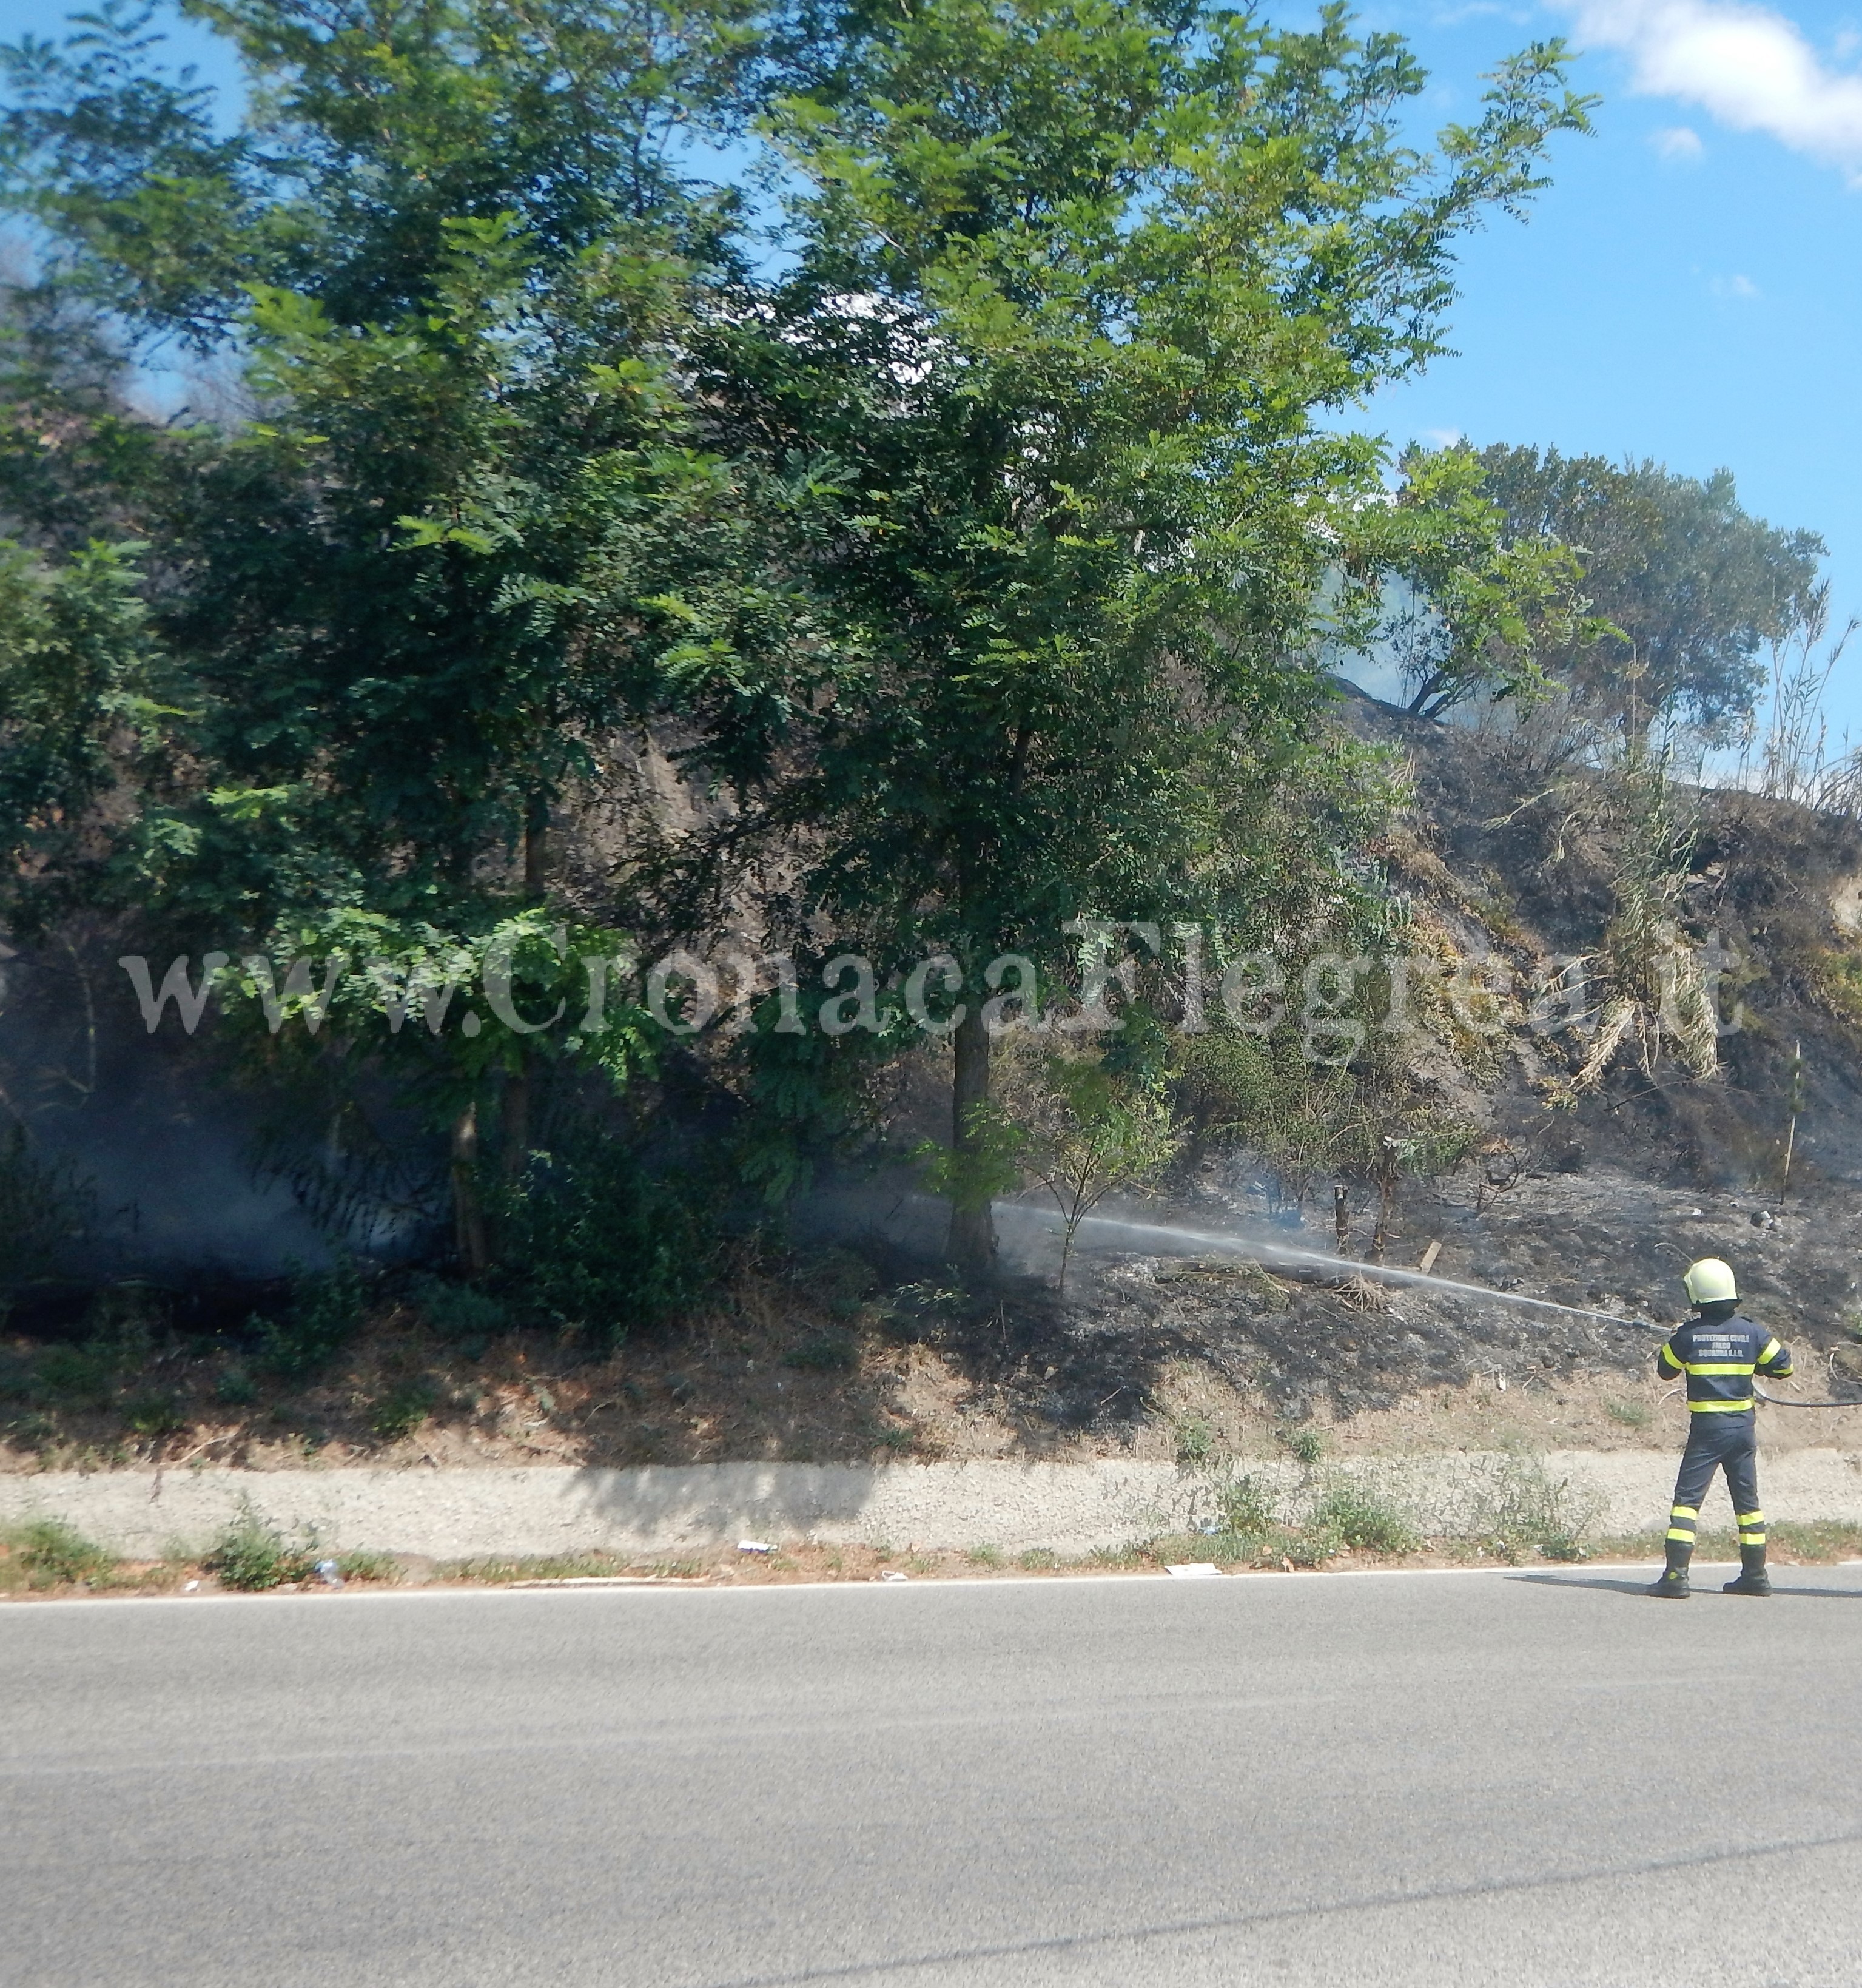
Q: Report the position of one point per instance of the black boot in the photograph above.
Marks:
(1753, 1578)
(1673, 1585)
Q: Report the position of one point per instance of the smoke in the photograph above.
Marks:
(154, 1125)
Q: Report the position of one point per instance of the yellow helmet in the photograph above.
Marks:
(1710, 1281)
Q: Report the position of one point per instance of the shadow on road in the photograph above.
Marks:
(1634, 1586)
(1639, 1586)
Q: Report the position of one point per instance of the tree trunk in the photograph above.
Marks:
(971, 1242)
(469, 1216)
(514, 1148)
(514, 1152)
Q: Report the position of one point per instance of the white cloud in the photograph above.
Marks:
(1443, 438)
(1735, 289)
(1751, 68)
(1677, 143)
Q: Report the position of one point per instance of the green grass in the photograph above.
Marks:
(1195, 1443)
(1304, 1445)
(400, 1410)
(51, 1553)
(829, 1354)
(1362, 1521)
(153, 1415)
(1631, 1414)
(252, 1555)
(366, 1564)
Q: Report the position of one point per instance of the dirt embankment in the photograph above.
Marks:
(853, 1354)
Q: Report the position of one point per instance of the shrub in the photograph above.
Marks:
(153, 1415)
(827, 1354)
(45, 1208)
(252, 1554)
(1306, 1445)
(402, 1409)
(1362, 1519)
(462, 1315)
(74, 1377)
(236, 1387)
(1195, 1443)
(368, 1563)
(1245, 1508)
(52, 1551)
(1631, 1414)
(593, 1243)
(1520, 1508)
(325, 1313)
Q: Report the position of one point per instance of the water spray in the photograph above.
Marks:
(1264, 1252)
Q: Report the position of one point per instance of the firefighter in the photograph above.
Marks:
(1719, 1352)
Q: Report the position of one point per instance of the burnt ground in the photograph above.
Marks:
(839, 1358)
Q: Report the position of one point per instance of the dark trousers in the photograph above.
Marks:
(1717, 1442)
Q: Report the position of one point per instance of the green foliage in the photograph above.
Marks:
(44, 1207)
(52, 1552)
(252, 1554)
(1519, 1507)
(1195, 1443)
(401, 1409)
(1245, 1508)
(970, 544)
(471, 1318)
(77, 713)
(1362, 1520)
(368, 1563)
(829, 1354)
(152, 1413)
(75, 1376)
(325, 1312)
(986, 1163)
(236, 1388)
(1687, 587)
(1086, 1130)
(1304, 1443)
(593, 1242)
(1360, 1116)
(1467, 605)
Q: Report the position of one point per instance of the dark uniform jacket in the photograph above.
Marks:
(1719, 1358)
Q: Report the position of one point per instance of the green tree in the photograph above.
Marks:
(1088, 1131)
(1467, 605)
(1070, 282)
(76, 714)
(1686, 587)
(449, 259)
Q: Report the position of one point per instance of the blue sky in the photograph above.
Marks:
(1690, 286)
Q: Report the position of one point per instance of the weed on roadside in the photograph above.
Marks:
(1303, 1443)
(401, 1409)
(1195, 1443)
(51, 1553)
(252, 1555)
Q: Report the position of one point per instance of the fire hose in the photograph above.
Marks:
(1786, 1401)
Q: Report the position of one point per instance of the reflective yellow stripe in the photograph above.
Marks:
(1750, 1518)
(1675, 1534)
(1771, 1351)
(1720, 1408)
(1684, 1511)
(1721, 1367)
(1669, 1359)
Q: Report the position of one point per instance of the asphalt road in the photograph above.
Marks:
(1527, 1778)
